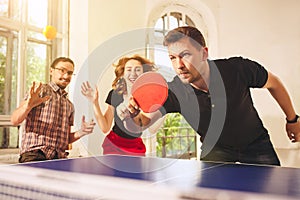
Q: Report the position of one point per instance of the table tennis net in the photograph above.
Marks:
(20, 191)
(24, 183)
(29, 183)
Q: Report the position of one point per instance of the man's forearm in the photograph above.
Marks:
(282, 97)
(20, 114)
(280, 94)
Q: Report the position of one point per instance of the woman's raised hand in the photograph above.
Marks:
(89, 92)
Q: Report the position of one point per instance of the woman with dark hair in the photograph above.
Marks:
(119, 140)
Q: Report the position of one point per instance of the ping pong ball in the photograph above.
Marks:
(49, 32)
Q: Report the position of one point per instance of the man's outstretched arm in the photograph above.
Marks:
(280, 94)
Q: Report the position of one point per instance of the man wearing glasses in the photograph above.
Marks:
(49, 115)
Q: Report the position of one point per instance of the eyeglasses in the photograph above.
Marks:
(63, 71)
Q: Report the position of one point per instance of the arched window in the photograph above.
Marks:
(168, 17)
(165, 23)
(183, 143)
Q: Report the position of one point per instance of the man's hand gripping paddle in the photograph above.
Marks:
(150, 91)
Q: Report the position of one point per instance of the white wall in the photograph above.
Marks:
(78, 39)
(267, 31)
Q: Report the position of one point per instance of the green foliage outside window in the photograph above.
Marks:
(2, 73)
(176, 138)
(2, 81)
(36, 71)
(36, 65)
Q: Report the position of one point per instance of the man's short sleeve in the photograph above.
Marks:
(253, 73)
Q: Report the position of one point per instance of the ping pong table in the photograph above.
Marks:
(167, 178)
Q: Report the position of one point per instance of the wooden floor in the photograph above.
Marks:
(288, 157)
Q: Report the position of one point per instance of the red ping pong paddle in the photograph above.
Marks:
(150, 91)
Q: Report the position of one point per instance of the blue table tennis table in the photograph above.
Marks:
(185, 174)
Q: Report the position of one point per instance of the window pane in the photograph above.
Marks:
(176, 139)
(9, 137)
(8, 69)
(38, 12)
(159, 28)
(10, 8)
(175, 20)
(14, 72)
(161, 59)
(4, 8)
(3, 47)
(35, 35)
(36, 63)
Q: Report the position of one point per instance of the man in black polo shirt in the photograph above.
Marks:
(214, 97)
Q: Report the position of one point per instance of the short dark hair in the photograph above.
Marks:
(61, 59)
(192, 33)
